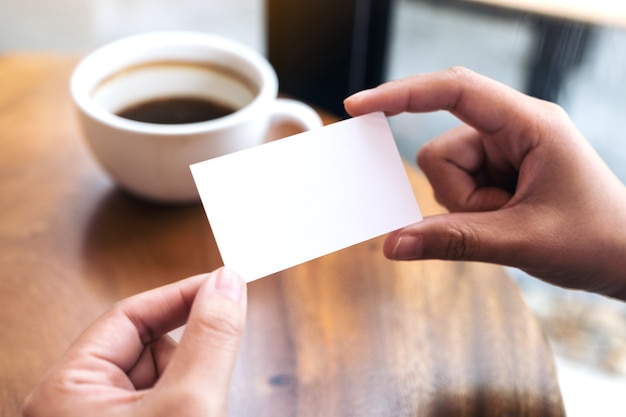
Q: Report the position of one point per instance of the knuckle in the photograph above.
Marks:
(460, 77)
(223, 325)
(553, 111)
(459, 72)
(425, 154)
(462, 242)
(446, 200)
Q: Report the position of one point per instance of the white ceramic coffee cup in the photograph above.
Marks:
(152, 160)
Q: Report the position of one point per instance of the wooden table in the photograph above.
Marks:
(597, 12)
(348, 334)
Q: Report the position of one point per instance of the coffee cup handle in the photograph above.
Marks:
(293, 111)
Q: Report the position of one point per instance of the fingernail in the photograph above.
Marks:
(358, 95)
(407, 247)
(229, 284)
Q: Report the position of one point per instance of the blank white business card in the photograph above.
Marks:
(286, 202)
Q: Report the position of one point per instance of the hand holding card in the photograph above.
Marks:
(277, 205)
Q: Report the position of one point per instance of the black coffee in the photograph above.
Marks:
(176, 110)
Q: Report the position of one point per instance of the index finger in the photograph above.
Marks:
(118, 337)
(483, 103)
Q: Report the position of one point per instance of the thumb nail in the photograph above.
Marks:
(357, 96)
(407, 247)
(230, 284)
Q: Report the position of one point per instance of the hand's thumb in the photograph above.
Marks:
(203, 362)
(456, 236)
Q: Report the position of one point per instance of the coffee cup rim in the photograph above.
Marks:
(89, 73)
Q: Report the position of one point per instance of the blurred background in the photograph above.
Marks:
(579, 63)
